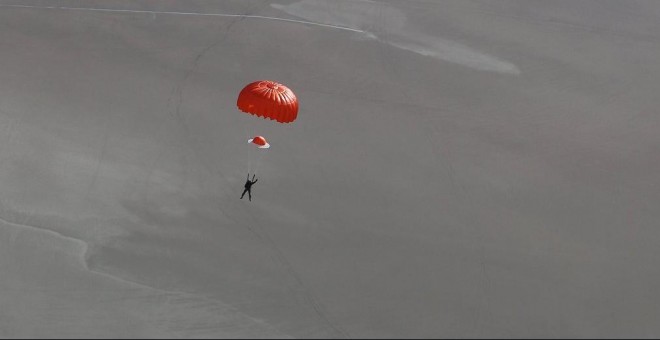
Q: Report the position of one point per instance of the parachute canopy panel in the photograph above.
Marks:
(269, 99)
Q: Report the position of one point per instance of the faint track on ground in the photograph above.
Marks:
(444, 156)
(243, 16)
(299, 287)
(179, 91)
(154, 291)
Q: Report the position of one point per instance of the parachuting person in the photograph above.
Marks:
(261, 143)
(248, 186)
(269, 100)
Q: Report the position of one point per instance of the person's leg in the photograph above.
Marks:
(244, 191)
(250, 195)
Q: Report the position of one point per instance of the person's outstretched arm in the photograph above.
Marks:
(248, 176)
(255, 180)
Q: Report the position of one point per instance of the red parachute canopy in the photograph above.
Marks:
(260, 142)
(269, 99)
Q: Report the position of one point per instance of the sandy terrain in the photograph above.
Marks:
(458, 169)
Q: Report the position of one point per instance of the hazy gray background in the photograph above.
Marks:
(458, 169)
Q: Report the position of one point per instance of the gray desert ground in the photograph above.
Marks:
(457, 169)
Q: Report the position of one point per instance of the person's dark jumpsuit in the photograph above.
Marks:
(248, 187)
